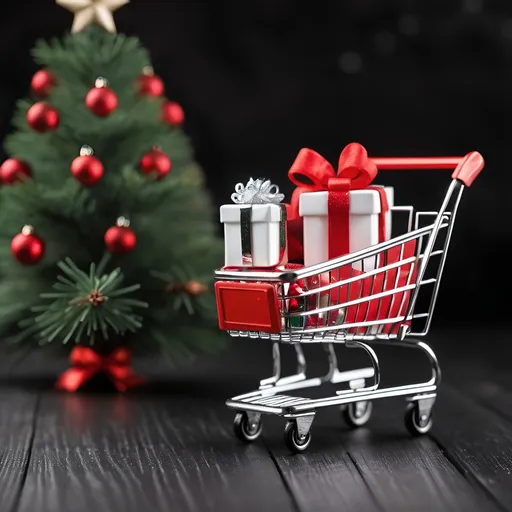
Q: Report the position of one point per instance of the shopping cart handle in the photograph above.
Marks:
(469, 168)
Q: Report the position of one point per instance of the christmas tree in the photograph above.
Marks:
(108, 237)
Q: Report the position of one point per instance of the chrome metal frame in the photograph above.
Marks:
(362, 385)
(269, 398)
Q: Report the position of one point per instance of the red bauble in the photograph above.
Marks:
(42, 117)
(155, 161)
(172, 113)
(13, 170)
(150, 85)
(42, 83)
(101, 100)
(27, 247)
(120, 239)
(87, 169)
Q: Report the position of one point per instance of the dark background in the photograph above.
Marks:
(259, 80)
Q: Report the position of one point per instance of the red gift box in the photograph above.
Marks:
(389, 306)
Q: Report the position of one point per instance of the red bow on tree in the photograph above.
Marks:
(86, 363)
(311, 172)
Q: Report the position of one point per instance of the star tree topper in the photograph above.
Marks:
(92, 11)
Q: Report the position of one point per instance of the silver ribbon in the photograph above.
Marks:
(257, 192)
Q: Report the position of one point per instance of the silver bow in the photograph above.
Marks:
(257, 192)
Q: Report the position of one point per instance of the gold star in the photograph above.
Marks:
(92, 11)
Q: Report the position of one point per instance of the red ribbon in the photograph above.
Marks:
(311, 172)
(86, 363)
(295, 239)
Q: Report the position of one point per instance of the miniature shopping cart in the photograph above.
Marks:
(339, 302)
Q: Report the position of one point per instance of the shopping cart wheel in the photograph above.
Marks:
(245, 429)
(414, 423)
(357, 414)
(294, 442)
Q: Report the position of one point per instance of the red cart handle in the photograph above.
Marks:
(467, 168)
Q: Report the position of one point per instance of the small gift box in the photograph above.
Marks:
(255, 227)
(342, 213)
(296, 304)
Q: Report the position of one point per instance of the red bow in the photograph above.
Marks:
(87, 363)
(311, 172)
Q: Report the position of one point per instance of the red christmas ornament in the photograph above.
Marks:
(27, 247)
(120, 239)
(87, 169)
(150, 84)
(13, 170)
(42, 117)
(101, 100)
(155, 161)
(42, 83)
(172, 113)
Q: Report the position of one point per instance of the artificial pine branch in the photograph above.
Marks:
(86, 306)
(183, 288)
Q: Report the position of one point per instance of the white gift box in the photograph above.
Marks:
(390, 194)
(264, 235)
(365, 208)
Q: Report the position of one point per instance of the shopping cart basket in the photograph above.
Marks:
(339, 302)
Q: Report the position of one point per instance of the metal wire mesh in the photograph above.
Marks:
(368, 295)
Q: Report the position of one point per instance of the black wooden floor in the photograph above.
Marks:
(171, 447)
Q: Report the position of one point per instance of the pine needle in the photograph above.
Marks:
(87, 306)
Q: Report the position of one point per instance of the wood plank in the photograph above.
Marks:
(17, 416)
(145, 452)
(111, 452)
(324, 478)
(481, 370)
(377, 467)
(407, 473)
(473, 410)
(484, 382)
(477, 441)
